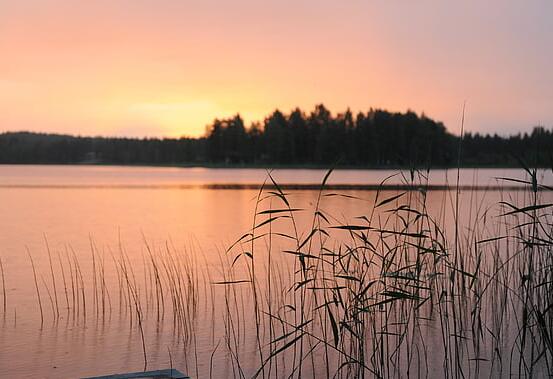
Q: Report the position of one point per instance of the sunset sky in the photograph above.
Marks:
(168, 67)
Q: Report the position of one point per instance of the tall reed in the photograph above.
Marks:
(368, 295)
(414, 284)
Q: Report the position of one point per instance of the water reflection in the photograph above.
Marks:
(124, 234)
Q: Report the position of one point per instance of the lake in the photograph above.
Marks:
(106, 265)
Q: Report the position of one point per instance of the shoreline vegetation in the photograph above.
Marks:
(290, 187)
(376, 139)
(400, 288)
(239, 166)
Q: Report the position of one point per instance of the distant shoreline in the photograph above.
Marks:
(284, 187)
(273, 166)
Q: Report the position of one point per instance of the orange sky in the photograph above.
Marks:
(168, 67)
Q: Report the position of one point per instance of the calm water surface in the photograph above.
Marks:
(13, 175)
(94, 215)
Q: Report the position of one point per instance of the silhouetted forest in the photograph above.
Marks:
(376, 138)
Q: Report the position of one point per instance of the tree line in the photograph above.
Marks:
(376, 138)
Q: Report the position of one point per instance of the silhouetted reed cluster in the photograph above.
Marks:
(402, 289)
(399, 290)
(162, 289)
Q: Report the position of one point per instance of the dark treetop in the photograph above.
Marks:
(374, 139)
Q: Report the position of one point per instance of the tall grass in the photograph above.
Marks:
(4, 298)
(398, 291)
(406, 287)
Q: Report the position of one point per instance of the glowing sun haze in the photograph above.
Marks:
(169, 67)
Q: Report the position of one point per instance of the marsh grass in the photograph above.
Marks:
(398, 291)
(4, 298)
(406, 287)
